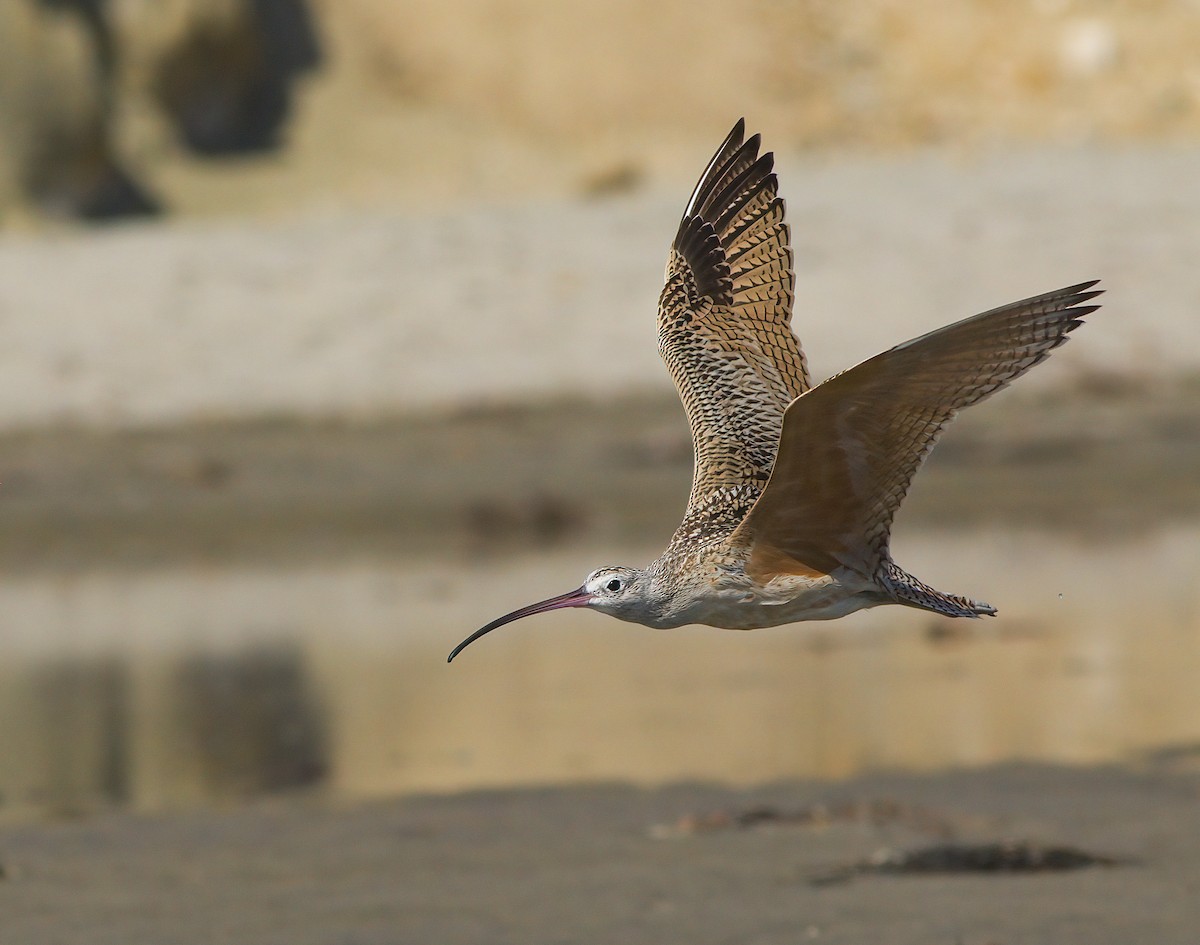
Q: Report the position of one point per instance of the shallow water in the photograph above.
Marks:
(186, 685)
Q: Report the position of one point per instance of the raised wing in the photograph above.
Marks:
(851, 446)
(724, 332)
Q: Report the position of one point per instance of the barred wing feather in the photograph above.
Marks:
(724, 328)
(851, 446)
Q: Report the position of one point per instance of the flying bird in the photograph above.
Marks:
(795, 486)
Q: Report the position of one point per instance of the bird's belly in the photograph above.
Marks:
(826, 599)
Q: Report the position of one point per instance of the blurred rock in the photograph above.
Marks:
(227, 83)
(614, 180)
(77, 175)
(55, 107)
(221, 72)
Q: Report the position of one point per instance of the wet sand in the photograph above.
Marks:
(614, 864)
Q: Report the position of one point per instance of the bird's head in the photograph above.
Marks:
(620, 592)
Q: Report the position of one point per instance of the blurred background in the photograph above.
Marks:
(327, 335)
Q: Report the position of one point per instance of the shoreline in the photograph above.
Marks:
(493, 482)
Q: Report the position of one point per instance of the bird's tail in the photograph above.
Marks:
(907, 590)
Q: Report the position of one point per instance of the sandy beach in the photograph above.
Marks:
(688, 863)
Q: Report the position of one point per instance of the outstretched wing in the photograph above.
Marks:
(724, 332)
(851, 446)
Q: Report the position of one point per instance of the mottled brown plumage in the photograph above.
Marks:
(795, 487)
(724, 332)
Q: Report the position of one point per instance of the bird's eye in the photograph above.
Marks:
(613, 585)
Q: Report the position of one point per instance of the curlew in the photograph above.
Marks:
(795, 487)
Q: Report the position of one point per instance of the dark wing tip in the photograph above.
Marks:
(734, 175)
(1069, 303)
(1072, 296)
(1060, 300)
(731, 145)
(698, 243)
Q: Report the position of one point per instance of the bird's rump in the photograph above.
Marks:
(850, 447)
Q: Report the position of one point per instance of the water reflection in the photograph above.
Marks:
(182, 686)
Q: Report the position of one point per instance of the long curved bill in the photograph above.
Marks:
(576, 598)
